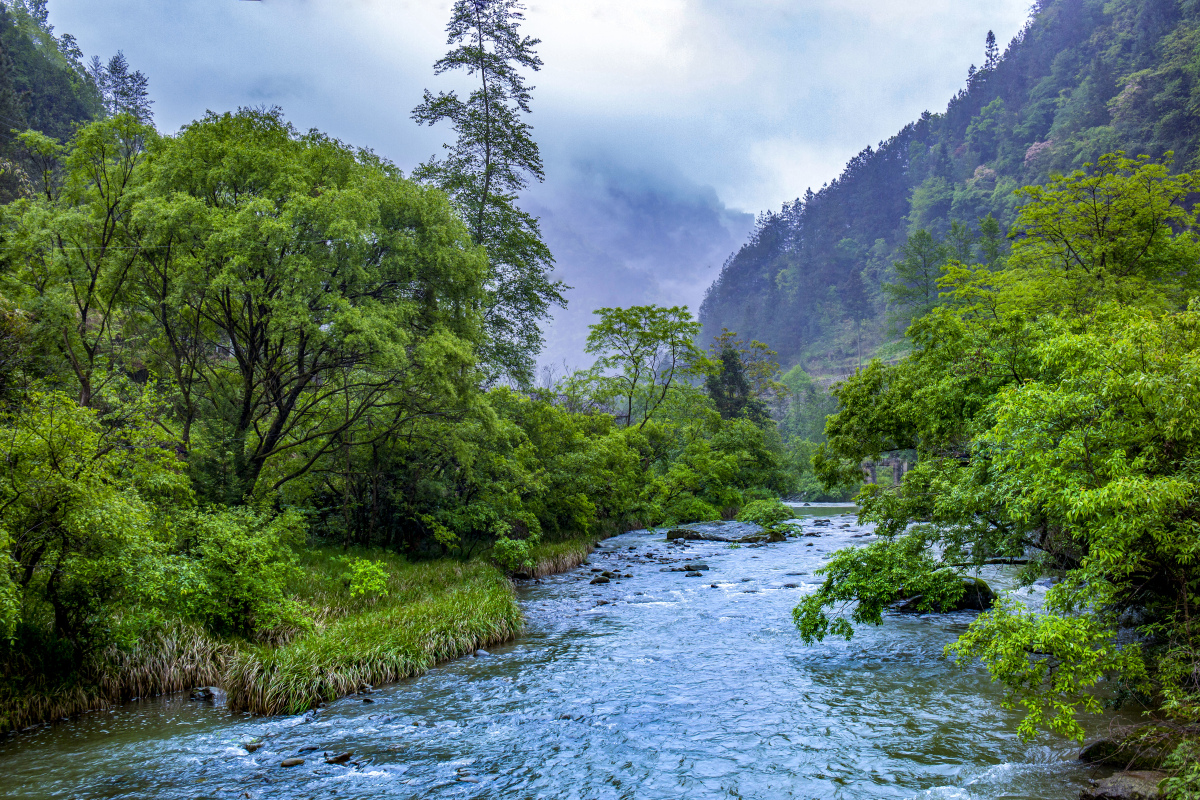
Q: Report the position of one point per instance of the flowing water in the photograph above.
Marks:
(657, 685)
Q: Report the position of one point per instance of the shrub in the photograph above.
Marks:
(238, 562)
(767, 513)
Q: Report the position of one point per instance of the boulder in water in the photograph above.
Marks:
(291, 762)
(1137, 785)
(694, 574)
(1143, 748)
(598, 579)
(340, 759)
(976, 596)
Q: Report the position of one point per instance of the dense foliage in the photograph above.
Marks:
(1051, 400)
(226, 350)
(1082, 78)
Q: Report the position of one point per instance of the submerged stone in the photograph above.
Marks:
(599, 579)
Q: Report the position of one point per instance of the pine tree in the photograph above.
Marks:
(490, 162)
(123, 91)
(991, 52)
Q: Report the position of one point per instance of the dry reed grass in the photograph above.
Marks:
(175, 658)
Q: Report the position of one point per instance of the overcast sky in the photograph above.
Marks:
(665, 125)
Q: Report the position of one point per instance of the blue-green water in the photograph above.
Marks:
(654, 686)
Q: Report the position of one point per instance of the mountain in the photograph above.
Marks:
(1082, 78)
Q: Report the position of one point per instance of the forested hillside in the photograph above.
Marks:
(1083, 78)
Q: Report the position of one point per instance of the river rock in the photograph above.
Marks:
(698, 566)
(977, 596)
(481, 653)
(1143, 748)
(599, 579)
(609, 575)
(340, 759)
(694, 574)
(291, 762)
(203, 694)
(252, 746)
(1137, 785)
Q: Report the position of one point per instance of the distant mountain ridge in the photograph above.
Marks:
(1082, 78)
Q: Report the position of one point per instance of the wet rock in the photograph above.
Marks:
(694, 574)
(252, 746)
(481, 653)
(791, 586)
(340, 759)
(368, 700)
(747, 580)
(682, 533)
(821, 522)
(312, 748)
(977, 596)
(609, 575)
(291, 762)
(597, 569)
(1142, 748)
(467, 779)
(203, 694)
(1137, 785)
(712, 586)
(698, 566)
(599, 579)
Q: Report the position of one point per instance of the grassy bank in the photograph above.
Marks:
(428, 612)
(433, 611)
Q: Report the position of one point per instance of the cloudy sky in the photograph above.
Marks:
(665, 125)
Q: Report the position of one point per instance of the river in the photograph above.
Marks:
(657, 685)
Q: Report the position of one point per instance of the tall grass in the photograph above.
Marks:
(553, 557)
(433, 612)
(174, 658)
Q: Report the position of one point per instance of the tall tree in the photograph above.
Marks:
(644, 351)
(915, 291)
(123, 91)
(490, 162)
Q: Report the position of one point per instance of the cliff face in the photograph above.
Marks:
(1084, 77)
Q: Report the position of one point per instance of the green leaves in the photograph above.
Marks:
(1052, 403)
(644, 351)
(870, 579)
(485, 169)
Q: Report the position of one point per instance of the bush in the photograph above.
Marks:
(365, 578)
(513, 555)
(767, 513)
(237, 565)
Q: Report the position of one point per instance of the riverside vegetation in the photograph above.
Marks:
(1051, 399)
(267, 418)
